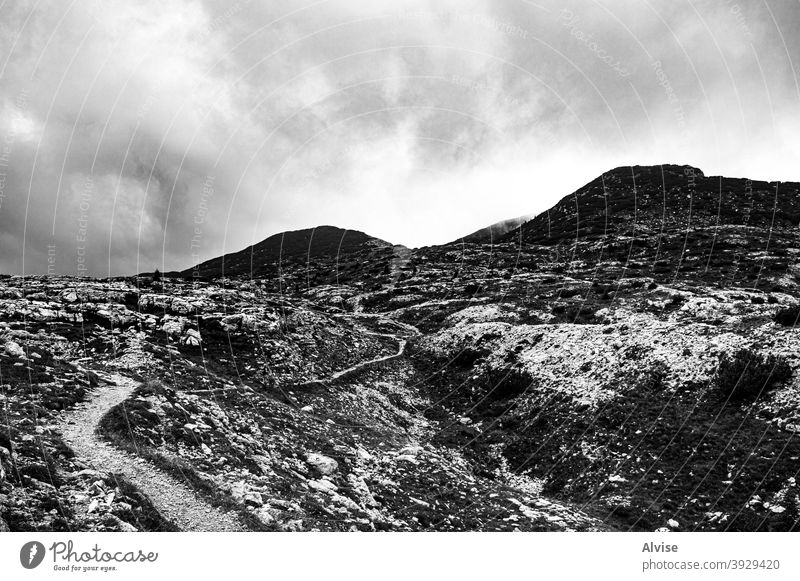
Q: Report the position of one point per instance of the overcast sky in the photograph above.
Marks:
(136, 135)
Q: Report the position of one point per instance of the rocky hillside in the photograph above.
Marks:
(639, 377)
(349, 249)
(673, 221)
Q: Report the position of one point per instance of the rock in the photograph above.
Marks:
(293, 526)
(323, 485)
(307, 409)
(205, 449)
(265, 516)
(173, 326)
(253, 499)
(119, 524)
(14, 349)
(361, 490)
(69, 297)
(85, 472)
(364, 455)
(673, 524)
(191, 338)
(324, 465)
(411, 450)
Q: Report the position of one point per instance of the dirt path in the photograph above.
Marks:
(173, 499)
(345, 373)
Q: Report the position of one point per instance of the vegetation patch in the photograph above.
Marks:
(747, 374)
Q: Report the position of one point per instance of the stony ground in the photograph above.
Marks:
(465, 390)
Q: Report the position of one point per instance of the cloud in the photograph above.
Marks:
(158, 134)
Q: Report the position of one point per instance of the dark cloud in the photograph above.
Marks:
(156, 134)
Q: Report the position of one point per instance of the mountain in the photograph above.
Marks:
(323, 243)
(673, 220)
(645, 200)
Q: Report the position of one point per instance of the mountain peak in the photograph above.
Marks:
(667, 168)
(646, 200)
(265, 257)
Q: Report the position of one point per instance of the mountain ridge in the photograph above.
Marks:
(290, 245)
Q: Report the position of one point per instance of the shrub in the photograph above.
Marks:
(508, 383)
(788, 316)
(748, 373)
(581, 314)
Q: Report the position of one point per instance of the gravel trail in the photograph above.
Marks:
(173, 499)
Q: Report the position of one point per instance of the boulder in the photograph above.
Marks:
(323, 485)
(14, 349)
(191, 337)
(253, 499)
(173, 326)
(323, 464)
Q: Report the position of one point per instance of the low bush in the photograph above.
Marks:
(788, 316)
(747, 373)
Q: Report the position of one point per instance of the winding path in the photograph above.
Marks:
(344, 373)
(173, 499)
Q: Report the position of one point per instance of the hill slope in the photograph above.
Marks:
(673, 220)
(643, 200)
(299, 246)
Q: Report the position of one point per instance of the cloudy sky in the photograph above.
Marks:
(136, 135)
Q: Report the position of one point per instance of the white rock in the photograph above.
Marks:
(253, 499)
(69, 297)
(192, 338)
(323, 464)
(13, 348)
(264, 515)
(411, 450)
(323, 485)
(673, 524)
(364, 455)
(173, 326)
